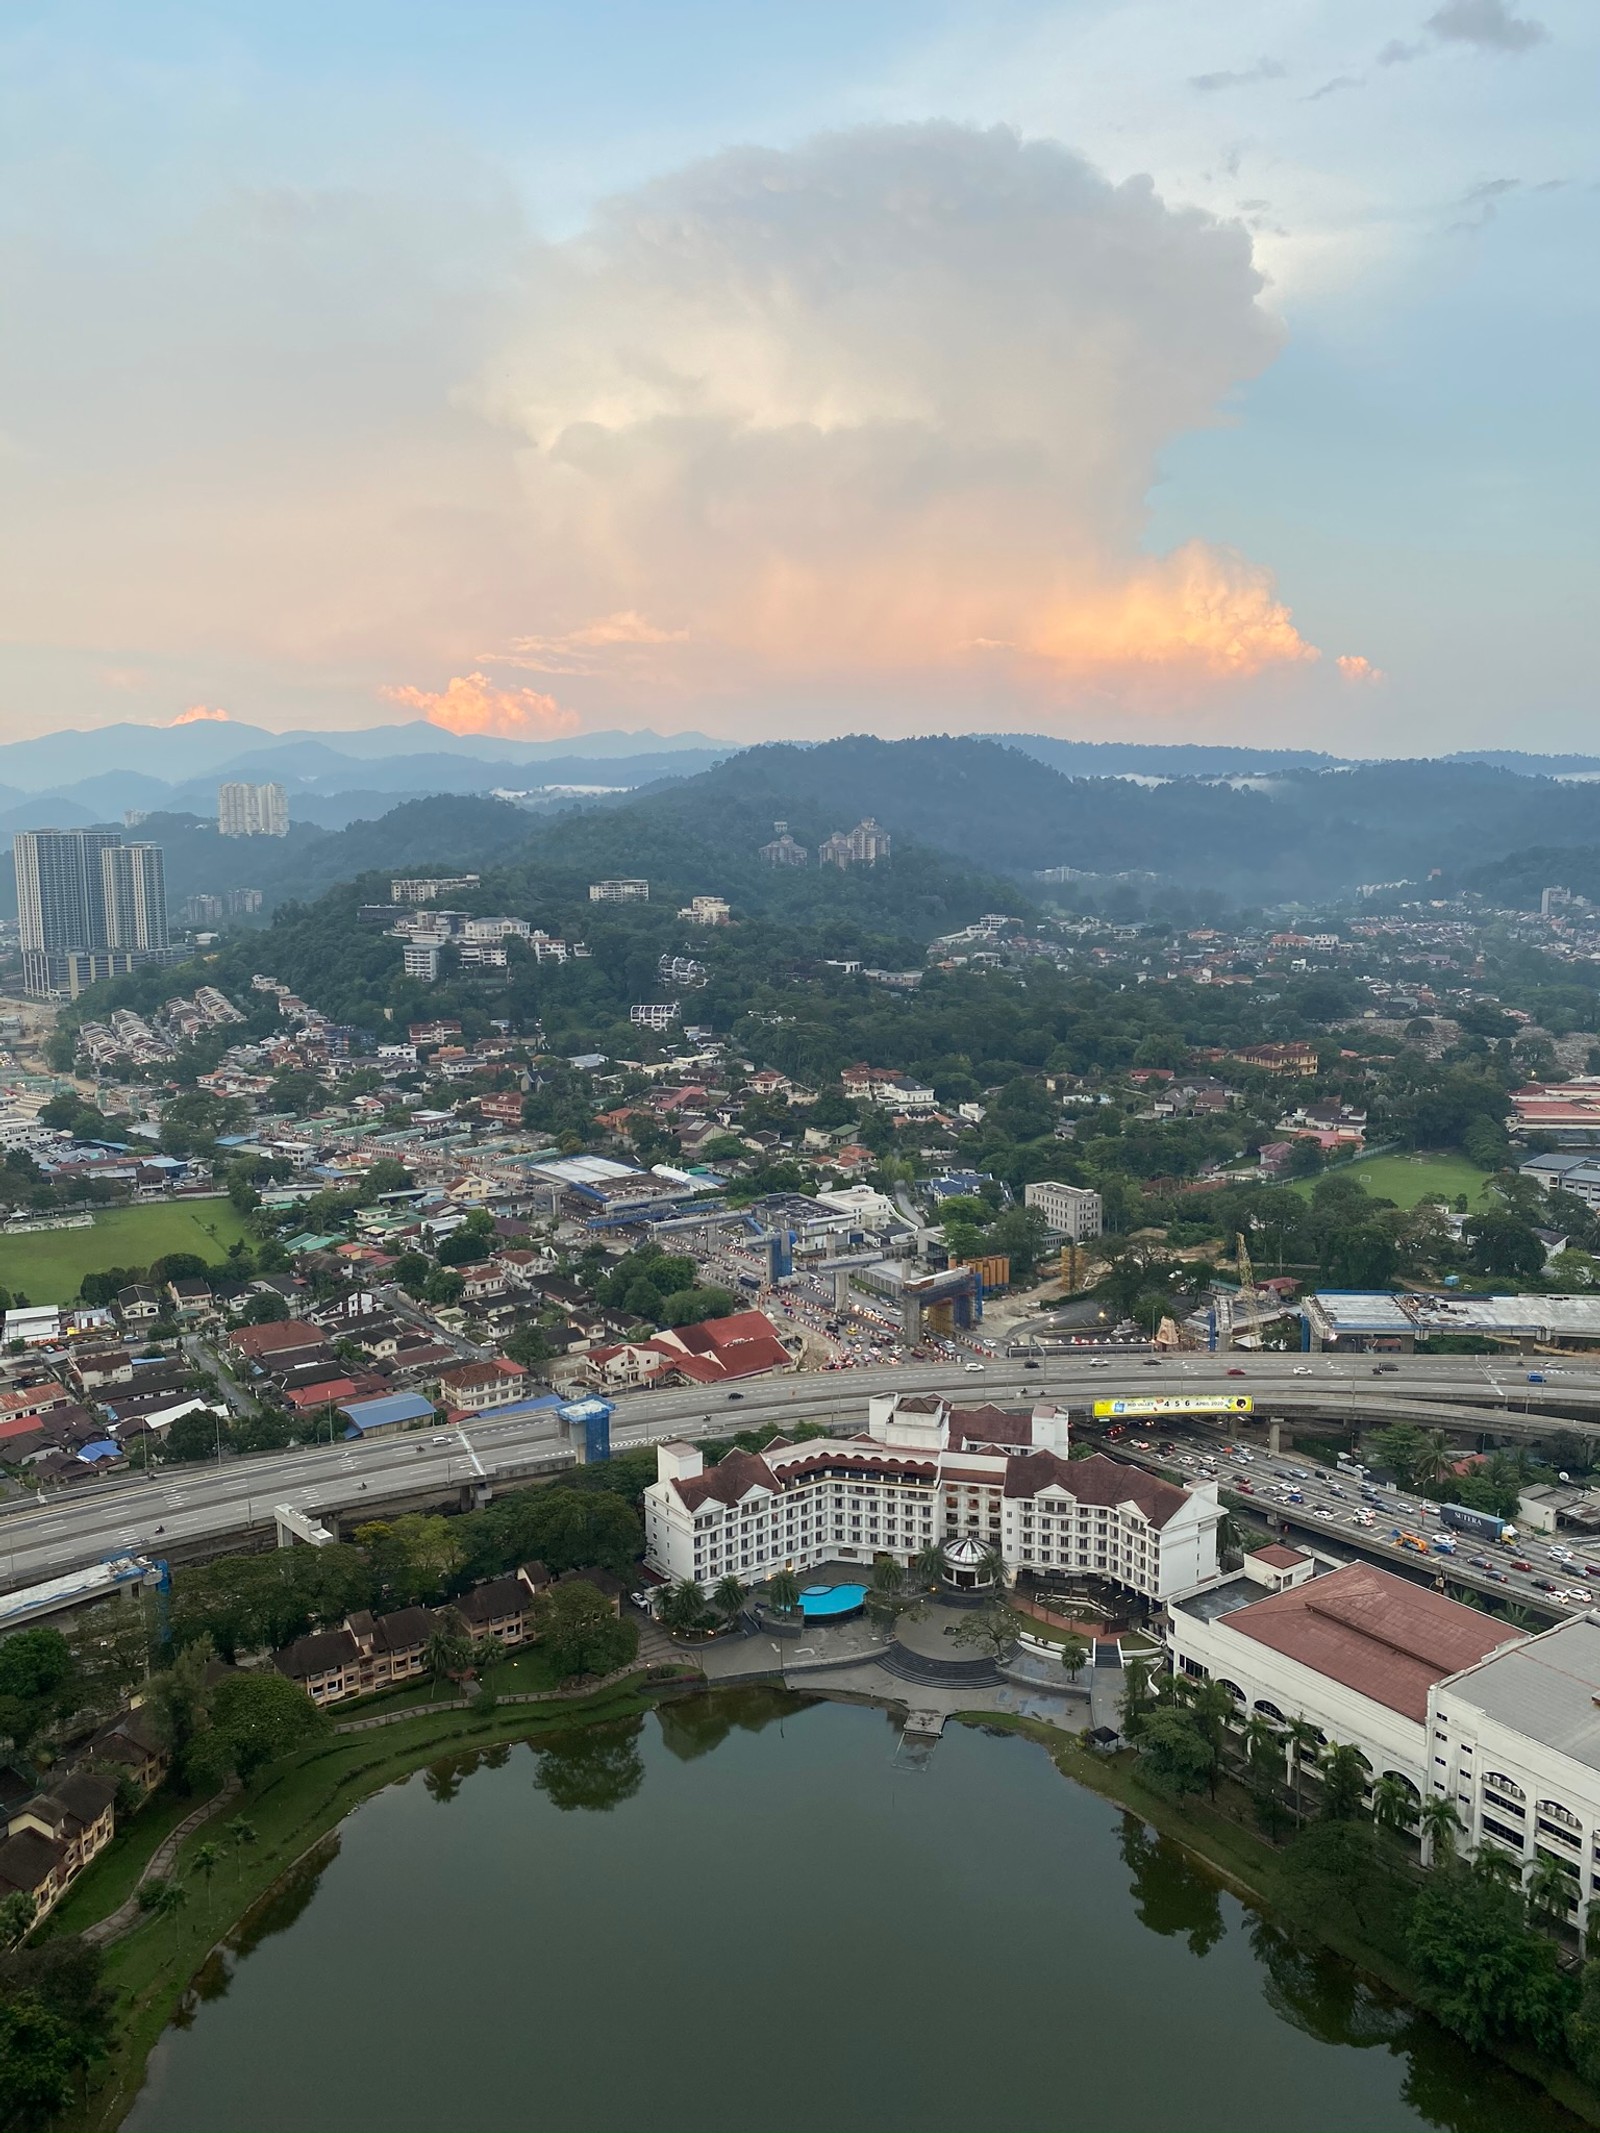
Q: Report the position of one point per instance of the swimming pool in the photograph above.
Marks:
(830, 1603)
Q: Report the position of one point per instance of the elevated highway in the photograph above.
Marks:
(189, 1511)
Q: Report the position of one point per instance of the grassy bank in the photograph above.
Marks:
(292, 1808)
(1406, 1179)
(49, 1264)
(1254, 1870)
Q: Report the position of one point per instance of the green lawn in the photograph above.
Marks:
(48, 1264)
(1406, 1179)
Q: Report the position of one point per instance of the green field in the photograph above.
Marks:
(48, 1264)
(1406, 1179)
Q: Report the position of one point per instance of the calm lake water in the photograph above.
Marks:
(749, 1913)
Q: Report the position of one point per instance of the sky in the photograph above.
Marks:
(1106, 368)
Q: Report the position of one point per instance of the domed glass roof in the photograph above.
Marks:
(968, 1553)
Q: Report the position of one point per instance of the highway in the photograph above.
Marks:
(190, 1509)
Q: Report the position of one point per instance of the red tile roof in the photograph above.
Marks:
(1374, 1633)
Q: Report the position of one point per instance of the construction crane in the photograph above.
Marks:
(1249, 1304)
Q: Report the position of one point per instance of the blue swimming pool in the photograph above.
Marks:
(830, 1603)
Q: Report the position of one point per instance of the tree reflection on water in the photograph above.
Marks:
(693, 1725)
(275, 1912)
(592, 1767)
(1171, 1893)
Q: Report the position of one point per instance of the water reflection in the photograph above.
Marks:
(1171, 1893)
(693, 1725)
(593, 1767)
(275, 1912)
(1309, 1986)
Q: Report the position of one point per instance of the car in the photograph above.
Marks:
(1301, 1370)
(1030, 1366)
(1574, 1595)
(1098, 1362)
(1591, 1570)
(1520, 1562)
(1384, 1370)
(1478, 1562)
(736, 1396)
(1543, 1585)
(1153, 1362)
(1535, 1377)
(972, 1366)
(1237, 1373)
(1245, 1488)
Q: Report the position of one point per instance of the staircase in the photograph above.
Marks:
(939, 1673)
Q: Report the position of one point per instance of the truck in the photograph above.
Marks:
(1413, 1541)
(1482, 1525)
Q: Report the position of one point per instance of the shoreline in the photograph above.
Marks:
(160, 1961)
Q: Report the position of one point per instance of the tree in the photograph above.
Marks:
(199, 1435)
(683, 1607)
(1075, 1654)
(411, 1556)
(1394, 1804)
(449, 1648)
(1305, 1744)
(1174, 1754)
(443, 1286)
(35, 1682)
(689, 1307)
(1583, 2027)
(1503, 1244)
(181, 1700)
(255, 1718)
(928, 1563)
(887, 1577)
(1136, 1699)
(993, 1569)
(1441, 1826)
(207, 1858)
(994, 1627)
(37, 2063)
(1552, 1891)
(783, 1592)
(265, 1307)
(17, 1913)
(240, 1833)
(729, 1598)
(1483, 1972)
(580, 1631)
(1344, 1782)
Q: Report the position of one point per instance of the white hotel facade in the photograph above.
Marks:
(926, 1472)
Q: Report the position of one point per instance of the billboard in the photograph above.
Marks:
(1175, 1403)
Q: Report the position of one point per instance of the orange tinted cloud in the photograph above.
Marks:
(470, 703)
(1204, 609)
(198, 714)
(1354, 668)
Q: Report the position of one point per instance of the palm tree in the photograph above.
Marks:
(1501, 1868)
(993, 1567)
(1441, 1826)
(207, 1858)
(169, 1899)
(1304, 1743)
(728, 1598)
(928, 1562)
(1344, 1782)
(1214, 1711)
(1075, 1654)
(1263, 1743)
(1551, 1891)
(1230, 1541)
(683, 1606)
(1433, 1457)
(240, 1832)
(1394, 1804)
(783, 1592)
(887, 1576)
(1136, 1698)
(449, 1647)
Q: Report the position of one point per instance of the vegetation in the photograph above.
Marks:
(50, 1265)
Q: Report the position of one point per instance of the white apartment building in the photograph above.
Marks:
(252, 811)
(1070, 1210)
(427, 889)
(1356, 1652)
(1515, 1742)
(422, 960)
(655, 1014)
(619, 892)
(929, 1472)
(706, 911)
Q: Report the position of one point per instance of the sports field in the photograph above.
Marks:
(1406, 1179)
(48, 1264)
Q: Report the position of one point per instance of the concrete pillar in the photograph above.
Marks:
(1275, 1437)
(841, 1288)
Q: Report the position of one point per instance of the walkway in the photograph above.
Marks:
(589, 1687)
(160, 1862)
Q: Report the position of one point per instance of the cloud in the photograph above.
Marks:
(1263, 70)
(200, 714)
(471, 703)
(1480, 203)
(1352, 667)
(1488, 24)
(848, 412)
(1332, 88)
(618, 639)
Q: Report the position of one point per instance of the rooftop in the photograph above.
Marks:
(1547, 1687)
(1374, 1633)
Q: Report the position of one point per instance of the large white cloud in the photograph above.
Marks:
(870, 423)
(889, 403)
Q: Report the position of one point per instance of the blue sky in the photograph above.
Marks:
(454, 358)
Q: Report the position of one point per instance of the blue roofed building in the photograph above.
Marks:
(393, 1410)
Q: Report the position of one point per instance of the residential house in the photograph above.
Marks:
(51, 1838)
(473, 1387)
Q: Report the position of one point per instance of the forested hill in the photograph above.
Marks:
(1301, 833)
(1517, 880)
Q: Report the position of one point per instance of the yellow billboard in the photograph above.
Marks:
(1175, 1403)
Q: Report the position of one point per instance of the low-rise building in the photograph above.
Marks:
(51, 1838)
(1070, 1210)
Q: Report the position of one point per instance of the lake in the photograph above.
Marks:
(750, 1912)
